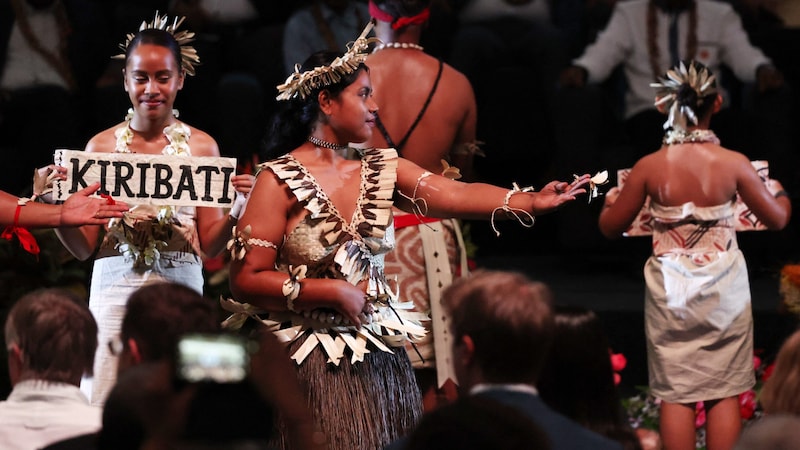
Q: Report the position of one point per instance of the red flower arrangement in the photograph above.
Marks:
(618, 362)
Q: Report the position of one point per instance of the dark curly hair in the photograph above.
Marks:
(292, 123)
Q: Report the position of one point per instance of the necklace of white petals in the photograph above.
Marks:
(695, 136)
(406, 45)
(177, 134)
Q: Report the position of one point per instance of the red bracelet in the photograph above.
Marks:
(26, 239)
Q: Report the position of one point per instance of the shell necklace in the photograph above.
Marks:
(177, 134)
(695, 136)
(407, 45)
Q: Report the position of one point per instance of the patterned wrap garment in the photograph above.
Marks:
(698, 317)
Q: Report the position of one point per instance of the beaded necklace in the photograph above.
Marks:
(326, 144)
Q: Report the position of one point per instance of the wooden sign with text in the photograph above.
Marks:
(149, 179)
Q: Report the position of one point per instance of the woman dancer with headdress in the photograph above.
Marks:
(698, 319)
(427, 113)
(151, 243)
(308, 251)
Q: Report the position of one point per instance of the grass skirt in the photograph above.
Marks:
(363, 406)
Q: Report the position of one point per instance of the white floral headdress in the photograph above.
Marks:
(700, 79)
(302, 83)
(189, 58)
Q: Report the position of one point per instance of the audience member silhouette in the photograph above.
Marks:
(781, 391)
(426, 111)
(502, 328)
(51, 339)
(477, 423)
(577, 380)
(773, 432)
(151, 407)
(156, 316)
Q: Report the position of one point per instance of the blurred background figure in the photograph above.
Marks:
(240, 41)
(156, 316)
(604, 115)
(426, 111)
(323, 25)
(774, 432)
(477, 423)
(38, 87)
(502, 328)
(153, 406)
(51, 339)
(781, 391)
(578, 381)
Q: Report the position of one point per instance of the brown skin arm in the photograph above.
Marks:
(78, 209)
(213, 225)
(255, 280)
(447, 198)
(623, 205)
(773, 212)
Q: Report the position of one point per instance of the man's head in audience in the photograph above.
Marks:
(157, 316)
(501, 325)
(50, 335)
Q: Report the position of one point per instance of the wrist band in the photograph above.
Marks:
(238, 206)
(525, 218)
(291, 286)
(26, 239)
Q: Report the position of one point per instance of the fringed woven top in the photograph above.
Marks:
(331, 247)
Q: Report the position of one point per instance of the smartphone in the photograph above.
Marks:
(216, 358)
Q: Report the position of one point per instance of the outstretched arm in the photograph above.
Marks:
(79, 209)
(437, 196)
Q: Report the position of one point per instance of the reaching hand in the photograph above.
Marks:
(352, 303)
(43, 181)
(243, 185)
(83, 209)
(556, 193)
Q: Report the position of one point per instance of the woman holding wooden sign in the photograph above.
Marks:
(151, 243)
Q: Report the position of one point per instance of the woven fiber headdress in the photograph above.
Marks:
(700, 79)
(301, 84)
(189, 58)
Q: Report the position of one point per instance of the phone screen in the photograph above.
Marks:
(216, 358)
